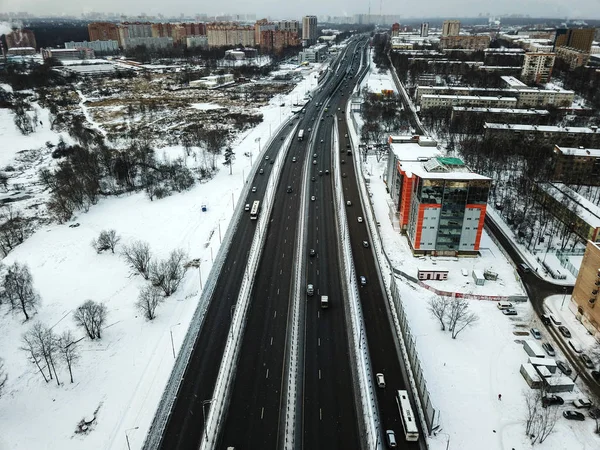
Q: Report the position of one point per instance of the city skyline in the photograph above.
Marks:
(576, 9)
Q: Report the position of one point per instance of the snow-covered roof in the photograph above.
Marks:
(586, 210)
(574, 151)
(470, 97)
(541, 128)
(513, 81)
(507, 90)
(458, 173)
(407, 147)
(479, 109)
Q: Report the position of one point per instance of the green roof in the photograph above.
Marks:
(451, 161)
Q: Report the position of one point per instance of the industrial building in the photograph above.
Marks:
(68, 54)
(110, 46)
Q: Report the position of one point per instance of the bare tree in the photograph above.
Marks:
(42, 342)
(438, 307)
(533, 404)
(3, 376)
(168, 273)
(18, 289)
(91, 317)
(545, 423)
(13, 229)
(69, 353)
(139, 256)
(33, 355)
(149, 299)
(107, 240)
(459, 316)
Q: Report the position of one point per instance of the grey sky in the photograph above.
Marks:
(296, 9)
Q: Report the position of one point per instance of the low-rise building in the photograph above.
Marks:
(576, 165)
(20, 51)
(472, 42)
(68, 54)
(472, 118)
(313, 54)
(150, 42)
(544, 134)
(448, 101)
(213, 81)
(572, 56)
(586, 290)
(110, 46)
(196, 41)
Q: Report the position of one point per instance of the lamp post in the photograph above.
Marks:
(127, 437)
(171, 332)
(204, 403)
(564, 297)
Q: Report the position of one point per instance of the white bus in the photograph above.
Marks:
(254, 210)
(411, 432)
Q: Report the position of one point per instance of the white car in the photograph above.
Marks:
(253, 188)
(312, 199)
(359, 219)
(380, 380)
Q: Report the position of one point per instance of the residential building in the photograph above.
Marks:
(108, 46)
(314, 54)
(309, 30)
(150, 42)
(576, 165)
(424, 29)
(472, 118)
(470, 42)
(573, 57)
(395, 29)
(68, 54)
(222, 34)
(261, 27)
(20, 38)
(293, 26)
(399, 43)
(537, 67)
(526, 98)
(544, 134)
(513, 82)
(448, 101)
(577, 38)
(586, 289)
(195, 29)
(269, 37)
(103, 31)
(440, 203)
(451, 28)
(196, 41)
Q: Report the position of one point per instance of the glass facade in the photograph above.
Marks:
(452, 214)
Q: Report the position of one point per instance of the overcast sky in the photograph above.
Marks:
(296, 9)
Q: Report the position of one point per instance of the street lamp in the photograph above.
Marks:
(564, 297)
(171, 331)
(127, 437)
(204, 403)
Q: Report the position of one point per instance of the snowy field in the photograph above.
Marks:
(465, 375)
(119, 379)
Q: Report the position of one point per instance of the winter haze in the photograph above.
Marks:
(281, 9)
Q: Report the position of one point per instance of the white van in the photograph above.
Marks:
(310, 290)
(504, 305)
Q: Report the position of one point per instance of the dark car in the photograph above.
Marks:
(596, 375)
(365, 244)
(587, 361)
(550, 400)
(363, 281)
(595, 413)
(564, 367)
(312, 252)
(564, 331)
(545, 319)
(573, 415)
(549, 349)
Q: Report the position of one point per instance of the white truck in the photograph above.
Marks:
(300, 135)
(324, 301)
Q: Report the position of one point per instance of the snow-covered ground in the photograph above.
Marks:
(465, 375)
(119, 379)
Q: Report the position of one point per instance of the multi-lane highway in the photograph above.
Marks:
(327, 407)
(328, 415)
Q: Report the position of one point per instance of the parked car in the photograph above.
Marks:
(554, 320)
(596, 375)
(363, 281)
(545, 319)
(595, 413)
(550, 400)
(573, 415)
(564, 367)
(549, 349)
(536, 333)
(509, 312)
(582, 403)
(564, 331)
(587, 361)
(380, 380)
(524, 268)
(575, 346)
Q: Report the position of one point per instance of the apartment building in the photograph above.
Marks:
(292, 26)
(269, 37)
(587, 137)
(573, 57)
(230, 34)
(309, 30)
(526, 98)
(20, 38)
(537, 67)
(586, 290)
(448, 101)
(451, 28)
(469, 42)
(424, 29)
(576, 38)
(103, 31)
(107, 46)
(576, 165)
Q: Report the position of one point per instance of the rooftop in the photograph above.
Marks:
(541, 112)
(441, 169)
(585, 210)
(579, 151)
(541, 128)
(470, 97)
(412, 148)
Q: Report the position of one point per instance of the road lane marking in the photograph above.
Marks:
(319, 374)
(320, 414)
(262, 412)
(267, 374)
(318, 342)
(271, 340)
(274, 314)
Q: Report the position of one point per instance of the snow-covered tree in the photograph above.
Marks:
(91, 316)
(18, 289)
(149, 299)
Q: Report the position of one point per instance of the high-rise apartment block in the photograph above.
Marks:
(230, 34)
(103, 31)
(20, 38)
(424, 29)
(451, 28)
(275, 36)
(293, 26)
(537, 67)
(576, 38)
(309, 30)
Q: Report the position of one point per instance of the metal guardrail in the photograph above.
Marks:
(165, 406)
(217, 412)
